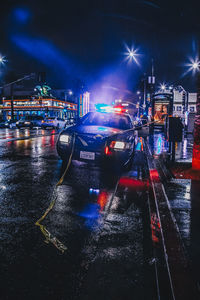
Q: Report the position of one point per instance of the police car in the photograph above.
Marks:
(99, 137)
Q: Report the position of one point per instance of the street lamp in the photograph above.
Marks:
(163, 87)
(193, 66)
(2, 60)
(131, 54)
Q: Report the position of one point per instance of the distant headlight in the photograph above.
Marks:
(17, 123)
(117, 145)
(65, 138)
(27, 123)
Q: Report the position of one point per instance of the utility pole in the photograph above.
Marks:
(11, 84)
(11, 102)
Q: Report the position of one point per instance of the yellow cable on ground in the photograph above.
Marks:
(46, 233)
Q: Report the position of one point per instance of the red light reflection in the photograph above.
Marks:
(52, 140)
(132, 183)
(155, 228)
(102, 199)
(154, 175)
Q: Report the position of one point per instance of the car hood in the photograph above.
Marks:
(101, 131)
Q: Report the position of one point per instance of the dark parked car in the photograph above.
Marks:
(30, 121)
(8, 124)
(100, 138)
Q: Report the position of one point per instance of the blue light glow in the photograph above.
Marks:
(102, 129)
(101, 107)
(93, 191)
(43, 51)
(91, 214)
(22, 15)
(158, 145)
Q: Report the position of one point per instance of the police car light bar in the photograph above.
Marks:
(100, 107)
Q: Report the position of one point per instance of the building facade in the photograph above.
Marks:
(42, 107)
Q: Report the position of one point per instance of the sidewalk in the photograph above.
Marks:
(182, 190)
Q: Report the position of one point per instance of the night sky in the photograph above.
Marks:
(86, 40)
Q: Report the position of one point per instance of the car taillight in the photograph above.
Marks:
(107, 151)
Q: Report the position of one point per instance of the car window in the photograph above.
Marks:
(107, 119)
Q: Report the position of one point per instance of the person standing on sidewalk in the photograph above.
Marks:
(139, 159)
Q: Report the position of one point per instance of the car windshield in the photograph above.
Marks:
(108, 120)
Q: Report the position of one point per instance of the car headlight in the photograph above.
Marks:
(27, 123)
(117, 145)
(64, 138)
(17, 123)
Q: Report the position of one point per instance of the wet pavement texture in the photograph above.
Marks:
(183, 195)
(106, 233)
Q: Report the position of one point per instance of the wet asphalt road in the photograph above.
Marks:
(106, 234)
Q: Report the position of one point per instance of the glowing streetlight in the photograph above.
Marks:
(193, 66)
(131, 54)
(2, 60)
(163, 87)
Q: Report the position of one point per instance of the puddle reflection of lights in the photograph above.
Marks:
(187, 191)
(19, 143)
(52, 140)
(91, 211)
(26, 142)
(17, 133)
(93, 191)
(2, 187)
(154, 175)
(132, 183)
(27, 132)
(158, 145)
(185, 148)
(102, 199)
(91, 214)
(155, 228)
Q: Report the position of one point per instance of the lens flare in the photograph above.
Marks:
(131, 55)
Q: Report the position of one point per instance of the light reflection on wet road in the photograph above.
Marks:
(183, 195)
(105, 242)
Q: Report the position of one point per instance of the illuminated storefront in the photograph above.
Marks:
(84, 104)
(42, 107)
